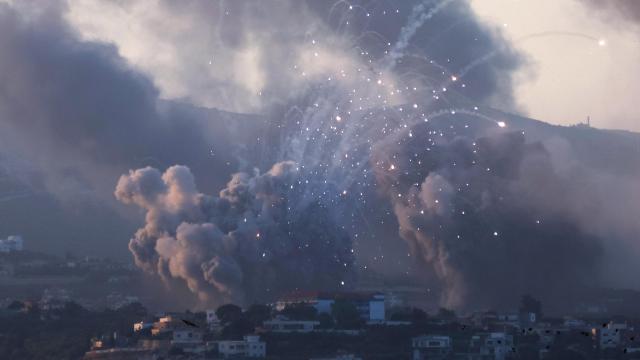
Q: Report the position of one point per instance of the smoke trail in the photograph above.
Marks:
(417, 18)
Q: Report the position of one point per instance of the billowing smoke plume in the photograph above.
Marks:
(257, 239)
(487, 213)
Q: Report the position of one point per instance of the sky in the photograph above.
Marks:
(225, 145)
(569, 76)
(578, 62)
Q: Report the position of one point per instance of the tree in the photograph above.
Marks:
(400, 314)
(134, 309)
(228, 313)
(446, 314)
(529, 304)
(419, 316)
(257, 314)
(415, 315)
(16, 305)
(326, 321)
(237, 329)
(72, 309)
(346, 314)
(300, 311)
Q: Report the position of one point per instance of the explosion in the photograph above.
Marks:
(253, 240)
(372, 135)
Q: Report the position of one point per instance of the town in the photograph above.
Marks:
(46, 309)
(313, 325)
(349, 326)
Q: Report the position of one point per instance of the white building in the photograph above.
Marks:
(431, 347)
(250, 347)
(376, 308)
(12, 243)
(287, 326)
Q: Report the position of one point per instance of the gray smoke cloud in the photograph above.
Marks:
(254, 241)
(494, 213)
(626, 9)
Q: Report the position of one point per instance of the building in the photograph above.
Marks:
(212, 321)
(166, 324)
(610, 335)
(187, 336)
(528, 319)
(512, 320)
(431, 347)
(483, 319)
(574, 323)
(250, 347)
(371, 306)
(11, 244)
(282, 325)
(493, 346)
